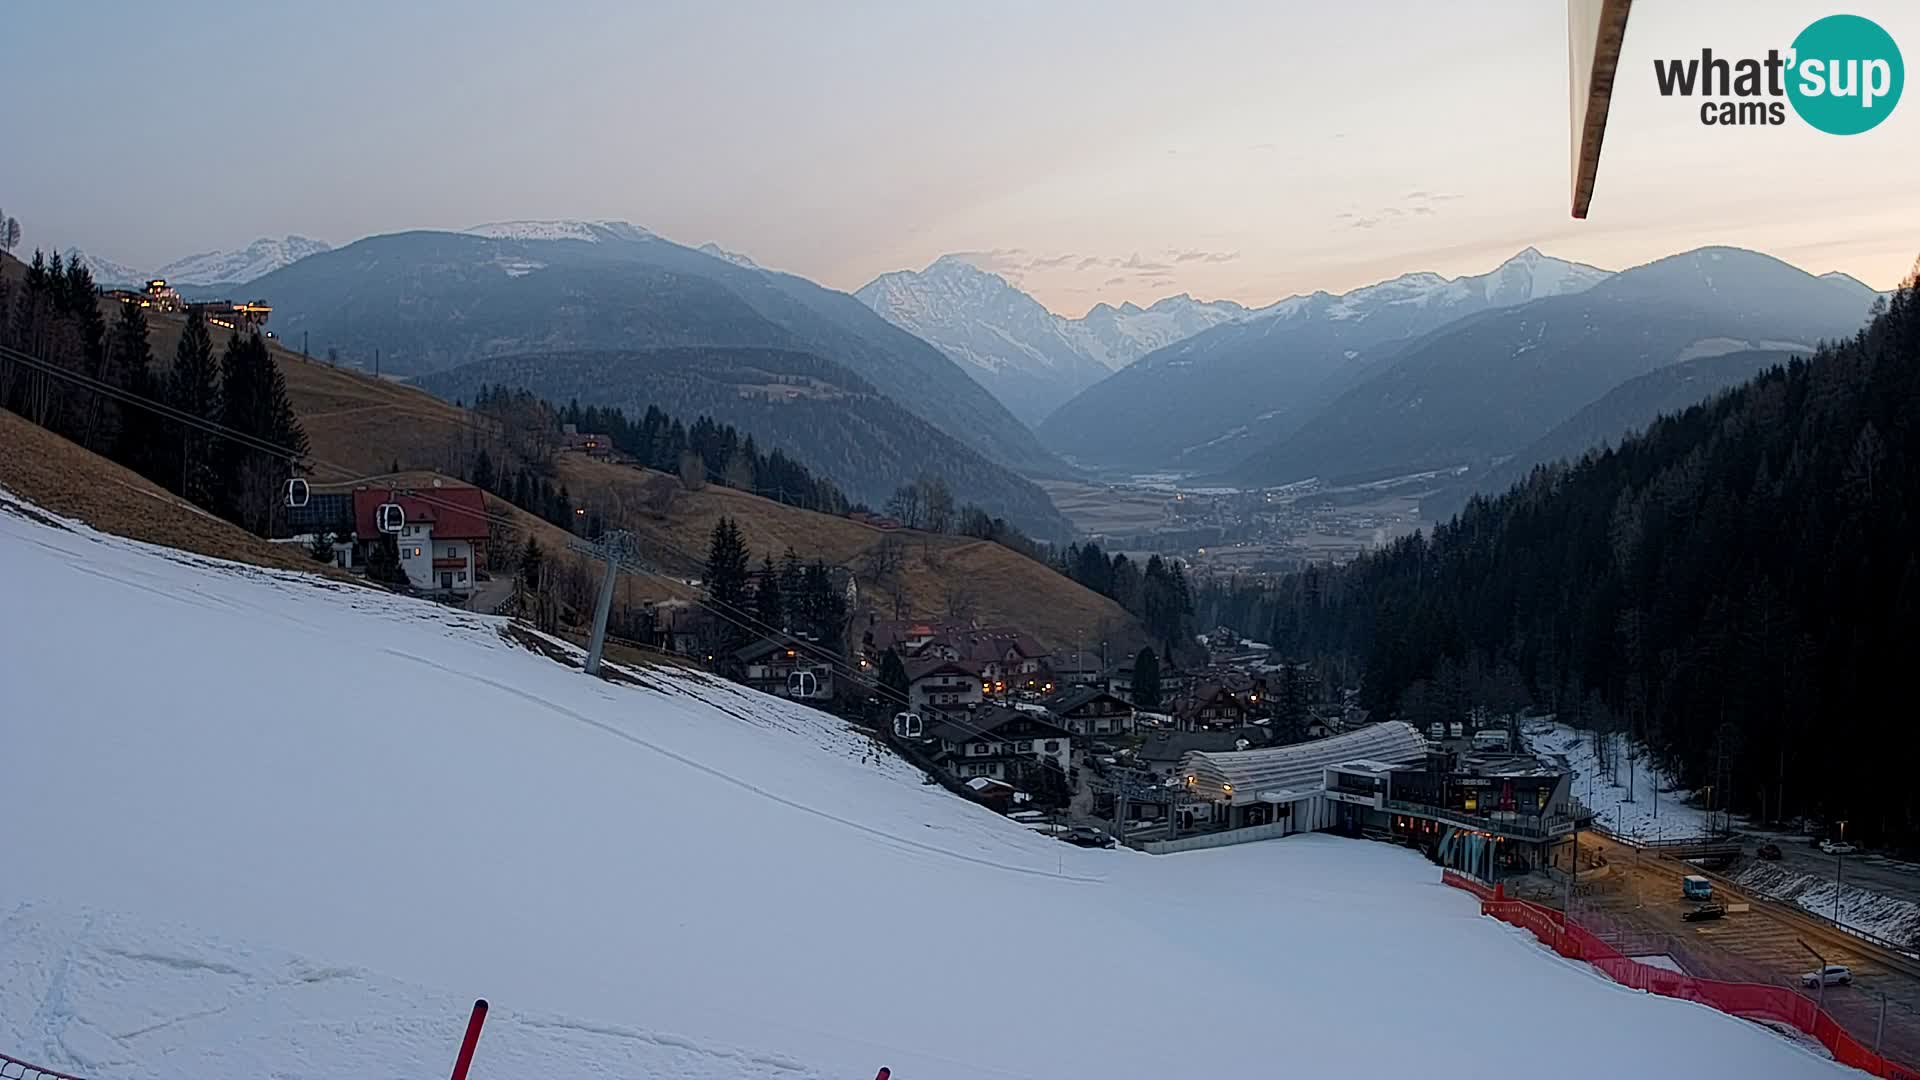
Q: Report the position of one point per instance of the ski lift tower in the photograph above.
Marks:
(615, 546)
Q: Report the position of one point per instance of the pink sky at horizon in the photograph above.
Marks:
(1107, 151)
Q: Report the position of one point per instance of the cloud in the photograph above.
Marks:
(1136, 263)
(1197, 255)
(1050, 262)
(1090, 262)
(1119, 279)
(1416, 203)
(1263, 148)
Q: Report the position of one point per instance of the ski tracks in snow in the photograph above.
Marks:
(102, 997)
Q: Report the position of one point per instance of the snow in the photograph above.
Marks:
(258, 259)
(592, 232)
(1663, 962)
(1861, 910)
(283, 826)
(1671, 818)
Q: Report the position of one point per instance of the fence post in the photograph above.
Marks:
(467, 1044)
(1880, 1029)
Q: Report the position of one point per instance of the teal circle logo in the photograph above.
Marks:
(1846, 75)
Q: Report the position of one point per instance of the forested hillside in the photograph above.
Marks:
(815, 410)
(1739, 587)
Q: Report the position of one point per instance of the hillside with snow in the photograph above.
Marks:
(237, 267)
(258, 259)
(271, 825)
(592, 232)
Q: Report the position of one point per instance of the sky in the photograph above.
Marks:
(1089, 151)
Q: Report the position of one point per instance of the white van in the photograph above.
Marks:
(1492, 739)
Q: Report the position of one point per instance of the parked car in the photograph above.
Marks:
(1831, 975)
(1704, 912)
(1089, 836)
(1836, 847)
(1769, 852)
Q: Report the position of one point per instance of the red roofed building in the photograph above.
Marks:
(443, 537)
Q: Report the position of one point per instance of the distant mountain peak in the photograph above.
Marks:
(734, 257)
(258, 259)
(106, 271)
(592, 232)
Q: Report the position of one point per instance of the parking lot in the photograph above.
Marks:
(1641, 894)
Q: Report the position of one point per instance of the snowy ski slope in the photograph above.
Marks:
(258, 824)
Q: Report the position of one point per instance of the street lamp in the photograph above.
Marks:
(1839, 862)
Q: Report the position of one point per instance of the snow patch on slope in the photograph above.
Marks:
(1605, 793)
(592, 232)
(1859, 909)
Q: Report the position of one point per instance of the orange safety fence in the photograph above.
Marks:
(1754, 1001)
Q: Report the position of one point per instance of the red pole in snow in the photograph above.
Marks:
(465, 1059)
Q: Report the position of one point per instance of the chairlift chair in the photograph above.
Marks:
(390, 518)
(297, 492)
(908, 725)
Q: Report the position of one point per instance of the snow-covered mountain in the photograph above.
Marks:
(258, 259)
(1032, 359)
(590, 231)
(1210, 399)
(107, 273)
(1117, 336)
(733, 257)
(386, 807)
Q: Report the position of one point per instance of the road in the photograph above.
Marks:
(1876, 873)
(1642, 897)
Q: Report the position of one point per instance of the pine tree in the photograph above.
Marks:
(726, 573)
(483, 471)
(141, 443)
(193, 387)
(1146, 680)
(531, 559)
(321, 547)
(383, 562)
(769, 607)
(893, 676)
(255, 405)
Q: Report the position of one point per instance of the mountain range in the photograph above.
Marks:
(1208, 402)
(429, 301)
(1483, 388)
(211, 268)
(1030, 358)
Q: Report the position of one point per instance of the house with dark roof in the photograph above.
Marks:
(935, 683)
(1163, 752)
(781, 666)
(442, 538)
(1000, 743)
(1212, 706)
(1089, 711)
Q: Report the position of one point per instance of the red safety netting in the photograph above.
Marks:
(1754, 1001)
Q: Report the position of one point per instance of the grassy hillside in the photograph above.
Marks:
(358, 426)
(61, 476)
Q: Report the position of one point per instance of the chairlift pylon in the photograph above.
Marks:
(297, 492)
(390, 518)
